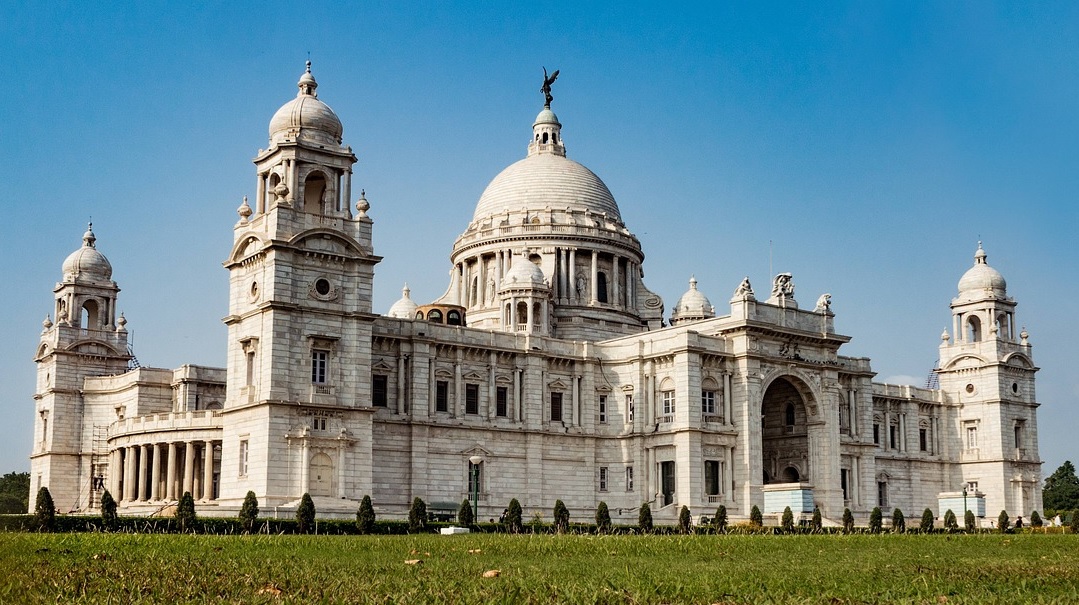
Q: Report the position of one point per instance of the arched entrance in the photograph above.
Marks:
(784, 433)
(321, 483)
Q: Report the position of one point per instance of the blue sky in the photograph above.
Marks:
(864, 147)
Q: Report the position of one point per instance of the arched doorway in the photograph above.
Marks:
(321, 482)
(784, 433)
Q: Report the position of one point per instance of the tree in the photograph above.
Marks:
(968, 521)
(848, 521)
(755, 517)
(108, 510)
(185, 513)
(816, 524)
(14, 493)
(603, 518)
(1075, 522)
(561, 517)
(951, 524)
(899, 522)
(685, 522)
(875, 519)
(1003, 522)
(513, 517)
(927, 521)
(1035, 519)
(644, 518)
(719, 521)
(249, 512)
(788, 520)
(1061, 491)
(305, 514)
(464, 514)
(417, 515)
(44, 511)
(365, 516)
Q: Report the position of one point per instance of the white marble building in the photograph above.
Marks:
(548, 357)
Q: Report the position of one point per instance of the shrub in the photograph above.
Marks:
(513, 517)
(719, 521)
(755, 517)
(561, 517)
(44, 511)
(249, 512)
(899, 522)
(305, 514)
(950, 522)
(185, 513)
(1003, 522)
(927, 521)
(464, 514)
(685, 522)
(788, 520)
(644, 518)
(816, 525)
(1075, 522)
(417, 515)
(1035, 519)
(108, 510)
(968, 521)
(603, 518)
(848, 521)
(536, 522)
(875, 518)
(365, 516)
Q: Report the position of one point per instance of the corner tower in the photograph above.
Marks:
(88, 338)
(987, 370)
(299, 322)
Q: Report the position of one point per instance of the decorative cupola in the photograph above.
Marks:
(547, 130)
(693, 306)
(404, 308)
(983, 310)
(524, 298)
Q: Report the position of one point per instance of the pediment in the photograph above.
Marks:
(381, 366)
(557, 385)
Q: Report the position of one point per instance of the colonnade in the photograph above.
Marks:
(156, 472)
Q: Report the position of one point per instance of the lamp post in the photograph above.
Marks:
(476, 461)
(965, 488)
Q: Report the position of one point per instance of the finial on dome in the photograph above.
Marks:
(244, 210)
(692, 282)
(944, 336)
(405, 292)
(45, 325)
(307, 82)
(89, 238)
(362, 206)
(1024, 336)
(980, 255)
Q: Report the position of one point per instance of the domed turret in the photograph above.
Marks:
(693, 306)
(404, 308)
(981, 279)
(87, 263)
(522, 274)
(306, 119)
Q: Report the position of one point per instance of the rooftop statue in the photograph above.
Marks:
(546, 88)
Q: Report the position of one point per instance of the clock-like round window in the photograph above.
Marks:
(322, 287)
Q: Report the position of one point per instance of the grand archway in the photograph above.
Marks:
(784, 433)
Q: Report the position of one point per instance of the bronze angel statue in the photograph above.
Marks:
(546, 88)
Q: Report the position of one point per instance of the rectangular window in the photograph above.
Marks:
(556, 407)
(668, 403)
(472, 399)
(243, 457)
(876, 434)
(972, 437)
(1018, 435)
(708, 402)
(629, 408)
(843, 480)
(501, 396)
(603, 409)
(603, 478)
(318, 423)
(379, 396)
(711, 477)
(923, 440)
(319, 359)
(629, 478)
(250, 362)
(666, 482)
(882, 494)
(891, 437)
(442, 396)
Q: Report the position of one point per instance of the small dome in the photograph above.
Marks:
(306, 119)
(982, 279)
(404, 308)
(547, 117)
(523, 273)
(546, 181)
(87, 263)
(693, 305)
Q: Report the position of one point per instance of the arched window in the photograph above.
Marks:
(974, 329)
(537, 315)
(544, 139)
(453, 318)
(434, 315)
(601, 287)
(789, 414)
(419, 314)
(89, 318)
(522, 315)
(474, 297)
(314, 188)
(507, 320)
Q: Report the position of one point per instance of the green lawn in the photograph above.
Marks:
(132, 568)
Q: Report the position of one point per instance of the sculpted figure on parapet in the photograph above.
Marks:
(782, 286)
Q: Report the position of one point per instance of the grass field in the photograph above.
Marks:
(149, 568)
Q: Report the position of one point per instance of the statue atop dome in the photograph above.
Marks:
(546, 88)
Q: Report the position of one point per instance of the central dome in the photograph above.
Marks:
(546, 181)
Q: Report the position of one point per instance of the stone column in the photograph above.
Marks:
(612, 295)
(457, 410)
(305, 467)
(129, 473)
(116, 471)
(529, 317)
(575, 399)
(155, 474)
(727, 416)
(189, 467)
(500, 271)
(492, 388)
(348, 193)
(399, 401)
(170, 473)
(516, 402)
(260, 195)
(593, 297)
(144, 455)
(208, 471)
(572, 275)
